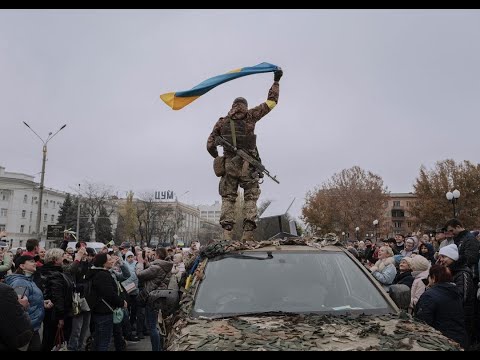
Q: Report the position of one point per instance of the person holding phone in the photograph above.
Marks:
(25, 287)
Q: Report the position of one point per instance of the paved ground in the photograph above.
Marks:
(142, 345)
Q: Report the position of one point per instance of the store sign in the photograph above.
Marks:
(164, 195)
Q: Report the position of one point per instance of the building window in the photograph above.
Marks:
(22, 228)
(397, 224)
(29, 229)
(4, 196)
(25, 198)
(396, 203)
(31, 215)
(53, 217)
(3, 212)
(20, 243)
(44, 217)
(3, 227)
(24, 213)
(53, 204)
(46, 204)
(409, 224)
(44, 230)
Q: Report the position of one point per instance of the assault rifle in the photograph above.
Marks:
(221, 141)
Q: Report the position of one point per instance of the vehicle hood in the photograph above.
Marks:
(306, 332)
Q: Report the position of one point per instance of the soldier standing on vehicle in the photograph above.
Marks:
(238, 128)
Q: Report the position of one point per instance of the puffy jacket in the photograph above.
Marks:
(156, 276)
(57, 288)
(36, 310)
(441, 307)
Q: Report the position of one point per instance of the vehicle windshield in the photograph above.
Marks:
(287, 281)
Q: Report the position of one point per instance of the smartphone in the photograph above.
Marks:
(21, 290)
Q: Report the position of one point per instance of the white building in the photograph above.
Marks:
(211, 213)
(19, 195)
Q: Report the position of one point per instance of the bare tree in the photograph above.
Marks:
(94, 198)
(127, 221)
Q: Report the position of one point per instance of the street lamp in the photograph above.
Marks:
(357, 229)
(453, 198)
(343, 235)
(375, 224)
(78, 214)
(45, 142)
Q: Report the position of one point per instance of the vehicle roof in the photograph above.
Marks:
(297, 248)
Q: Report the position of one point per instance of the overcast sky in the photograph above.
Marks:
(387, 90)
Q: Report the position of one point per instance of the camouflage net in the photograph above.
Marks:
(293, 332)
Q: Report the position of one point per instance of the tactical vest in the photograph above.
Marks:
(243, 141)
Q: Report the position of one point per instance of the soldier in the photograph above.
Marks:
(238, 128)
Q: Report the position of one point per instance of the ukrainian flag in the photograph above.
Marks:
(179, 99)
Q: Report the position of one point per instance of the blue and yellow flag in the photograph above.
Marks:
(180, 99)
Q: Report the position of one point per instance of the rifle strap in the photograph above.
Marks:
(234, 137)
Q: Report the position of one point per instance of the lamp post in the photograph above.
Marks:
(375, 224)
(357, 229)
(78, 214)
(343, 235)
(40, 199)
(453, 198)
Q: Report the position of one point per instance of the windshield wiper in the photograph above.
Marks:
(246, 257)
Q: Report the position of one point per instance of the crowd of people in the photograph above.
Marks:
(441, 273)
(71, 294)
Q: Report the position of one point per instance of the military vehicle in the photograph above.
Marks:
(290, 294)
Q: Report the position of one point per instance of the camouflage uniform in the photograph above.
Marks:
(237, 172)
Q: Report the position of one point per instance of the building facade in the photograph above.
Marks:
(19, 195)
(397, 216)
(211, 213)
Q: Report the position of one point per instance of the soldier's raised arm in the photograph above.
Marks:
(272, 100)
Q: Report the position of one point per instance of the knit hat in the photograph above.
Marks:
(451, 251)
(129, 253)
(419, 263)
(408, 260)
(398, 258)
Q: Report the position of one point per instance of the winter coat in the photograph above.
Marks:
(386, 271)
(57, 287)
(133, 277)
(418, 287)
(156, 276)
(441, 307)
(404, 278)
(78, 271)
(36, 310)
(103, 287)
(15, 327)
(119, 276)
(468, 247)
(462, 277)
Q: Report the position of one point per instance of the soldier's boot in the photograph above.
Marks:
(247, 236)
(227, 234)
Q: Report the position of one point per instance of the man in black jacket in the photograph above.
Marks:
(15, 328)
(468, 246)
